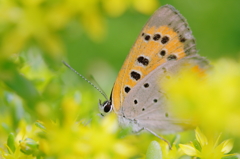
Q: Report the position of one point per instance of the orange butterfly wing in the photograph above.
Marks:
(166, 36)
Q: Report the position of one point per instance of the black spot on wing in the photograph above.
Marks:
(143, 60)
(172, 57)
(182, 39)
(156, 37)
(135, 101)
(146, 85)
(127, 89)
(165, 39)
(162, 53)
(135, 75)
(147, 37)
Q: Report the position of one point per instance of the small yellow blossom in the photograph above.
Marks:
(209, 149)
(145, 6)
(201, 138)
(172, 153)
(115, 7)
(161, 150)
(40, 21)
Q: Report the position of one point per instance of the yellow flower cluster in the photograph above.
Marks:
(70, 140)
(39, 21)
(65, 130)
(208, 148)
(211, 101)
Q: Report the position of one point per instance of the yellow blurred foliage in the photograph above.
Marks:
(213, 100)
(40, 21)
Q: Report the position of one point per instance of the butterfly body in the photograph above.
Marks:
(164, 46)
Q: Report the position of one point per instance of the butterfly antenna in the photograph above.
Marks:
(97, 88)
(97, 85)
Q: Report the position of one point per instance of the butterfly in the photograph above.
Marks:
(164, 47)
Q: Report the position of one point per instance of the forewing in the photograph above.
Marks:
(165, 37)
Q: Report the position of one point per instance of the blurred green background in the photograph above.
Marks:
(95, 40)
(215, 25)
(94, 37)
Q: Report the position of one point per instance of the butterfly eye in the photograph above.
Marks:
(107, 106)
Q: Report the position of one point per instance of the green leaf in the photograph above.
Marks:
(11, 143)
(40, 125)
(230, 157)
(154, 151)
(28, 146)
(18, 83)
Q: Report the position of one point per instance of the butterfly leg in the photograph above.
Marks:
(170, 147)
(139, 130)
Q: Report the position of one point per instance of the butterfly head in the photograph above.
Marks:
(105, 107)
